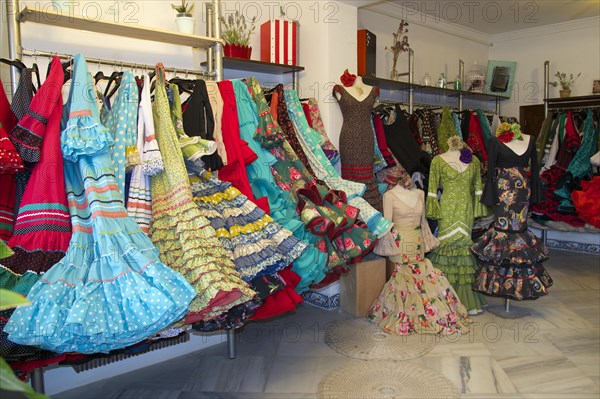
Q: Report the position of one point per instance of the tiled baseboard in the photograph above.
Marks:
(321, 300)
(573, 246)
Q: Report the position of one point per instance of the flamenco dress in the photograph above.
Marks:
(309, 139)
(580, 168)
(313, 116)
(12, 164)
(139, 195)
(42, 229)
(565, 147)
(110, 290)
(291, 175)
(587, 201)
(259, 245)
(238, 154)
(456, 210)
(183, 236)
(510, 256)
(312, 264)
(121, 121)
(417, 297)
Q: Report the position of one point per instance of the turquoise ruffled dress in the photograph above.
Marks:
(312, 264)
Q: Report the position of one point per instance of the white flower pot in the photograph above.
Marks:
(185, 24)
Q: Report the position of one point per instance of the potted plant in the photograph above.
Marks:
(400, 45)
(236, 34)
(185, 22)
(566, 82)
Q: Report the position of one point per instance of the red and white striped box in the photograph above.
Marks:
(279, 42)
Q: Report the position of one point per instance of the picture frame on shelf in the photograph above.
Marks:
(500, 77)
(596, 87)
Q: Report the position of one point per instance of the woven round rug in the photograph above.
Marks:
(376, 379)
(361, 339)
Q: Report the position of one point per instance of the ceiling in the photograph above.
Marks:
(493, 17)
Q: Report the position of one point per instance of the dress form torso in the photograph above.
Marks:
(358, 90)
(357, 141)
(519, 146)
(452, 158)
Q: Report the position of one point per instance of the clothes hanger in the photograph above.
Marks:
(115, 78)
(15, 63)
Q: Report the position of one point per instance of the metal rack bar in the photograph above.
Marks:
(546, 86)
(14, 39)
(121, 64)
(37, 380)
(411, 79)
(231, 352)
(218, 47)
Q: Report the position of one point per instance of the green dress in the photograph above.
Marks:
(182, 234)
(456, 209)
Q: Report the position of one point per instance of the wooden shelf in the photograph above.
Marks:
(573, 102)
(388, 84)
(34, 14)
(240, 64)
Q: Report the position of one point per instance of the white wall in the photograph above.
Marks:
(570, 47)
(437, 45)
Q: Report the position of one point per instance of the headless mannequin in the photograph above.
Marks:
(409, 196)
(358, 90)
(519, 146)
(452, 158)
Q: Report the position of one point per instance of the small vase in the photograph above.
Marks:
(185, 24)
(565, 93)
(394, 75)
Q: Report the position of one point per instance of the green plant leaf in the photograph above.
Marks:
(9, 299)
(9, 382)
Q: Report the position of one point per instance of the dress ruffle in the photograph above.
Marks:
(84, 135)
(418, 298)
(10, 160)
(188, 244)
(520, 283)
(77, 306)
(503, 248)
(259, 244)
(459, 267)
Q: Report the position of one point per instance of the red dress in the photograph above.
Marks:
(42, 230)
(239, 154)
(10, 163)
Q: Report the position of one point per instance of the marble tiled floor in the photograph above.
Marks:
(552, 354)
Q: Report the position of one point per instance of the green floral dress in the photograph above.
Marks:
(184, 237)
(456, 210)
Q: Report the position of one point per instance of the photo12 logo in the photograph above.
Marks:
(471, 11)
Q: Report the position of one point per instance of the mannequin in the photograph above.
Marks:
(409, 196)
(359, 90)
(453, 155)
(452, 158)
(418, 297)
(519, 146)
(457, 172)
(510, 257)
(357, 137)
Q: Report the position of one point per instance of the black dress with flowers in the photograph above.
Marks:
(510, 256)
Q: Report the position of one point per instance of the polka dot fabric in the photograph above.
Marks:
(121, 122)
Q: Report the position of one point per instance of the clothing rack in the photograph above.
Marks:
(562, 104)
(207, 75)
(213, 44)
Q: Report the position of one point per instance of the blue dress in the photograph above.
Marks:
(110, 290)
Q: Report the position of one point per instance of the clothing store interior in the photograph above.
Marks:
(300, 199)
